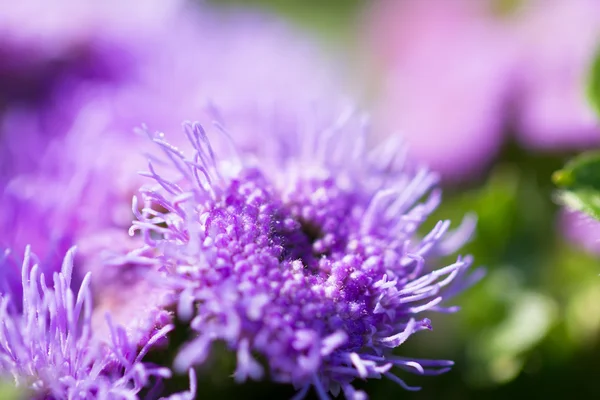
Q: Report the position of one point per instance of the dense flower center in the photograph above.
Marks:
(297, 261)
(315, 269)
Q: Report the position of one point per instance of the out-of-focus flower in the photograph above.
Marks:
(581, 229)
(445, 88)
(557, 42)
(68, 166)
(119, 283)
(84, 138)
(459, 73)
(48, 347)
(304, 252)
(42, 43)
(199, 49)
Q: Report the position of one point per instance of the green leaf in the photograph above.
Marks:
(593, 84)
(582, 172)
(586, 201)
(579, 182)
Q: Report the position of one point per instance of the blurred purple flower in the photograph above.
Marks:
(59, 133)
(47, 344)
(304, 252)
(43, 42)
(68, 166)
(580, 229)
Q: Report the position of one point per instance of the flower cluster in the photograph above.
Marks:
(49, 348)
(313, 263)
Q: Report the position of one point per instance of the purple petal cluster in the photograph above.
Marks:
(313, 261)
(48, 347)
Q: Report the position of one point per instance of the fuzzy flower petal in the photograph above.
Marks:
(48, 348)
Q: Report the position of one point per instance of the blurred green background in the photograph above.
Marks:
(530, 328)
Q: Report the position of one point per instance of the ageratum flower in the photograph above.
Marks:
(48, 348)
(304, 253)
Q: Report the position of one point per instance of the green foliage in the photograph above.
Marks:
(579, 183)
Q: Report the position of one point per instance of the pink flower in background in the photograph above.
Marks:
(557, 41)
(447, 64)
(458, 73)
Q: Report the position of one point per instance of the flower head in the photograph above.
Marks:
(47, 344)
(305, 253)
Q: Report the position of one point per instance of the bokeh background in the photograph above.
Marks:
(491, 93)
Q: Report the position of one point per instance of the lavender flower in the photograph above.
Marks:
(304, 252)
(49, 348)
(42, 43)
(580, 229)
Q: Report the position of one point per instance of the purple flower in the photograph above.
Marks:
(120, 283)
(59, 131)
(580, 229)
(42, 43)
(48, 347)
(304, 252)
